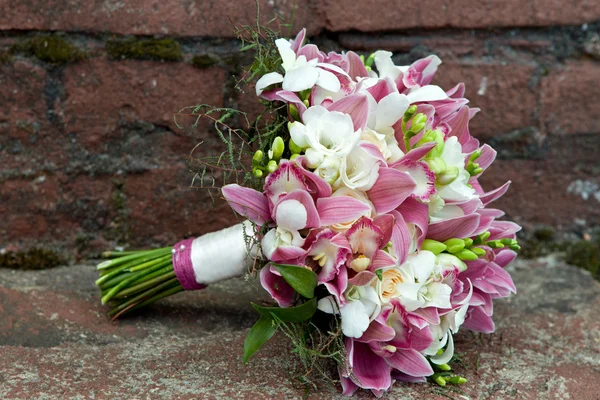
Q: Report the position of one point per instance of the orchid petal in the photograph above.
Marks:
(460, 227)
(427, 93)
(385, 222)
(362, 278)
(446, 356)
(390, 190)
(287, 178)
(410, 362)
(328, 81)
(371, 371)
(356, 66)
(247, 202)
(401, 238)
(478, 321)
(277, 287)
(419, 152)
(416, 213)
(377, 332)
(390, 109)
(292, 213)
(495, 194)
(382, 259)
(268, 80)
(365, 237)
(341, 209)
(301, 78)
(355, 105)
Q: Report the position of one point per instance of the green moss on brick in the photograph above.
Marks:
(145, 49)
(51, 49)
(205, 60)
(33, 259)
(5, 57)
(545, 233)
(585, 254)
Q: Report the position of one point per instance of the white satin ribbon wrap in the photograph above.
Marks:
(221, 255)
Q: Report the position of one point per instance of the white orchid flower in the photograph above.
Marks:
(300, 73)
(419, 286)
(362, 308)
(454, 158)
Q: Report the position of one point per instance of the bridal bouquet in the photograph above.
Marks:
(364, 219)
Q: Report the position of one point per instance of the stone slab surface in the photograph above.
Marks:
(57, 343)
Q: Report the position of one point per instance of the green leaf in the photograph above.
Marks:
(290, 314)
(259, 334)
(302, 280)
(379, 274)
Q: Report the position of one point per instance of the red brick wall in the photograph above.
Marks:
(90, 156)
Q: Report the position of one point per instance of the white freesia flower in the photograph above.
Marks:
(359, 170)
(300, 73)
(324, 134)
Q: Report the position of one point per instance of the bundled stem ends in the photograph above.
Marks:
(134, 279)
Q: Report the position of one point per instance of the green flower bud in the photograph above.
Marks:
(272, 166)
(454, 245)
(485, 236)
(277, 148)
(306, 103)
(456, 380)
(433, 246)
(475, 155)
(294, 156)
(468, 242)
(448, 176)
(444, 367)
(257, 173)
(294, 148)
(508, 241)
(478, 251)
(294, 112)
(466, 255)
(514, 247)
(362, 58)
(436, 165)
(439, 380)
(257, 158)
(476, 171)
(472, 166)
(495, 244)
(409, 113)
(416, 128)
(370, 60)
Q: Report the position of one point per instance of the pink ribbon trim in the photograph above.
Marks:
(182, 265)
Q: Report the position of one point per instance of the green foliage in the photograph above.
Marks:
(302, 280)
(319, 349)
(145, 49)
(33, 259)
(259, 334)
(300, 313)
(52, 49)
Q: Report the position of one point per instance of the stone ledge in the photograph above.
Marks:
(56, 342)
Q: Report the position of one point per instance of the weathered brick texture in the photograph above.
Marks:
(90, 156)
